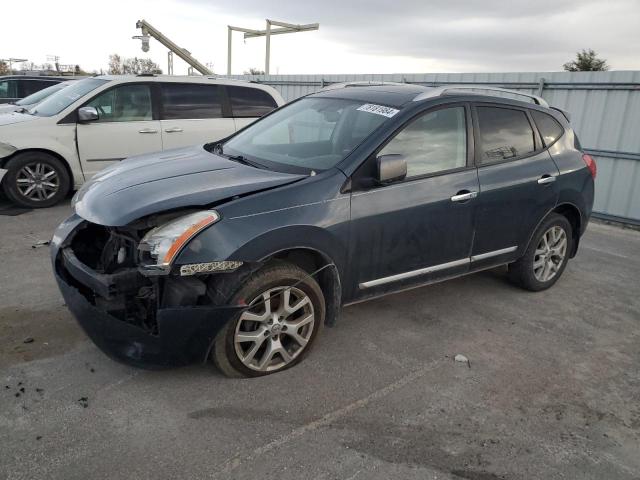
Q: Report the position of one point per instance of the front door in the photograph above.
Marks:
(517, 183)
(419, 229)
(125, 127)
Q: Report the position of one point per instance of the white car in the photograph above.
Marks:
(71, 135)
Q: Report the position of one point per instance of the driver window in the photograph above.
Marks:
(433, 142)
(128, 103)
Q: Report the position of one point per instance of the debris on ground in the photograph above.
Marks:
(40, 243)
(462, 359)
(84, 401)
(28, 340)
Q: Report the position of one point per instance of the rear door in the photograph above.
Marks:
(125, 127)
(419, 229)
(248, 104)
(517, 182)
(191, 113)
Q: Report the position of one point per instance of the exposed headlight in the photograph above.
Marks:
(165, 242)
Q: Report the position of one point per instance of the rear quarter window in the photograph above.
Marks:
(249, 102)
(549, 128)
(505, 133)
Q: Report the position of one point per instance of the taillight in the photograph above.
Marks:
(591, 164)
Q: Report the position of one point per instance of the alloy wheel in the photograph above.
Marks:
(37, 181)
(550, 254)
(274, 329)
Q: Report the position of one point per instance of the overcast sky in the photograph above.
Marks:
(375, 36)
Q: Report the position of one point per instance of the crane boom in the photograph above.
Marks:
(148, 29)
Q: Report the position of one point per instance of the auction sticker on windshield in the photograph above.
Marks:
(378, 109)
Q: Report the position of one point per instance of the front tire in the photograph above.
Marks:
(36, 180)
(285, 314)
(546, 256)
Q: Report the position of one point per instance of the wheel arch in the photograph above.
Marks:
(572, 213)
(65, 163)
(311, 260)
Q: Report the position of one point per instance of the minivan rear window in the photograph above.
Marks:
(190, 100)
(505, 133)
(550, 129)
(250, 102)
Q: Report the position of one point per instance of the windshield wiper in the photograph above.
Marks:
(244, 160)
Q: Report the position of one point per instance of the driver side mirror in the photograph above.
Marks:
(391, 168)
(87, 114)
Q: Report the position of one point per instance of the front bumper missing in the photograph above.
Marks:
(182, 334)
(185, 334)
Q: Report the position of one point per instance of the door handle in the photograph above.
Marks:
(147, 130)
(173, 130)
(463, 196)
(546, 179)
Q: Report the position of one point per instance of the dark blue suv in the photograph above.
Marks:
(240, 251)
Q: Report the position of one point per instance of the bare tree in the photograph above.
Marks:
(586, 61)
(4, 68)
(115, 64)
(135, 65)
(254, 71)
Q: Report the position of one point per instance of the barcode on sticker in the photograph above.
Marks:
(378, 109)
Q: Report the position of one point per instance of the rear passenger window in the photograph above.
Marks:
(250, 102)
(550, 129)
(504, 134)
(190, 100)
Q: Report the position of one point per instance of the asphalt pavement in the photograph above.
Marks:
(551, 389)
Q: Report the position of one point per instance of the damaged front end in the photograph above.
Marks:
(120, 285)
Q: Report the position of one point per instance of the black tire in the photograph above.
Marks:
(521, 272)
(279, 274)
(15, 166)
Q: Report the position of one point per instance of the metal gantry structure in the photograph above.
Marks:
(149, 30)
(252, 33)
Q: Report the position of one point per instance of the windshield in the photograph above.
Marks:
(40, 95)
(62, 99)
(311, 134)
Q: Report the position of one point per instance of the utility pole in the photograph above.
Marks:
(11, 61)
(251, 33)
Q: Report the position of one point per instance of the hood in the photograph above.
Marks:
(186, 177)
(9, 107)
(12, 118)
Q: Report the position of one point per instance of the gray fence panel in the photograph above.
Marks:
(604, 108)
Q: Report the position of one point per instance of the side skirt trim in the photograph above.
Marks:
(436, 268)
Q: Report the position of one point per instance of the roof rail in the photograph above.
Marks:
(438, 91)
(362, 83)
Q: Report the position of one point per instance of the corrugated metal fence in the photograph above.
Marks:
(604, 107)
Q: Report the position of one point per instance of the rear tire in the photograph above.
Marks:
(278, 331)
(36, 180)
(546, 256)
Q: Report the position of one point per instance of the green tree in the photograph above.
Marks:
(586, 61)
